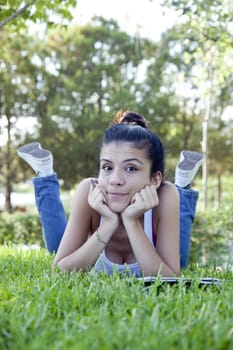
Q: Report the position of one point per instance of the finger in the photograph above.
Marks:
(148, 196)
(94, 191)
(94, 182)
(152, 195)
(91, 188)
(98, 196)
(138, 198)
(133, 199)
(103, 193)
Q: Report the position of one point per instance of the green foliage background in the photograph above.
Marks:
(71, 81)
(211, 240)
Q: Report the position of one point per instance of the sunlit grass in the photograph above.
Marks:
(40, 309)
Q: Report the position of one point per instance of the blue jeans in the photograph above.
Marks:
(51, 211)
(53, 218)
(188, 202)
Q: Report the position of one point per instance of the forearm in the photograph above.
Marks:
(149, 260)
(85, 256)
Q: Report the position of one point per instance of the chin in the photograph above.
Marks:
(116, 208)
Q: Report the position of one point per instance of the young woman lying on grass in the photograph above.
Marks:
(129, 218)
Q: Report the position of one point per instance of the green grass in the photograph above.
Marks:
(44, 310)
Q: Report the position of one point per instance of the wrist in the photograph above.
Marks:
(130, 222)
(104, 233)
(109, 225)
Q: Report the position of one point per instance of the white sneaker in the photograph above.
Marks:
(41, 160)
(187, 167)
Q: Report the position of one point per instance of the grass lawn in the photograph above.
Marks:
(44, 310)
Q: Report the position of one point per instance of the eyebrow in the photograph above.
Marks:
(124, 161)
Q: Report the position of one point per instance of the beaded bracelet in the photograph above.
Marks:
(99, 239)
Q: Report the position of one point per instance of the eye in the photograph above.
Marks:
(131, 169)
(106, 168)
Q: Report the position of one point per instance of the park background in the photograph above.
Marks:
(65, 71)
(63, 74)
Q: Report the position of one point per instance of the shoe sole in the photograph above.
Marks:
(29, 147)
(190, 161)
(33, 152)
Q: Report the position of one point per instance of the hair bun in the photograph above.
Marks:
(131, 118)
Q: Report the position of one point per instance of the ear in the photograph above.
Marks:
(157, 179)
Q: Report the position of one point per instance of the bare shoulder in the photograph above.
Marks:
(168, 197)
(169, 201)
(80, 209)
(80, 196)
(167, 189)
(84, 186)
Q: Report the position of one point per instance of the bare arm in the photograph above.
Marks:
(76, 250)
(165, 259)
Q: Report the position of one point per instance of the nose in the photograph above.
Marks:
(116, 178)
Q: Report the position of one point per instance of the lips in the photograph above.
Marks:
(116, 195)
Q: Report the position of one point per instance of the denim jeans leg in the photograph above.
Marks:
(188, 202)
(51, 211)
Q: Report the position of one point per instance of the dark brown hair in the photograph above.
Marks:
(132, 127)
(128, 117)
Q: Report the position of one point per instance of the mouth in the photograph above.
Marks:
(116, 195)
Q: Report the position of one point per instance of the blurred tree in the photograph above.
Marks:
(72, 82)
(17, 14)
(15, 97)
(167, 95)
(205, 26)
(87, 73)
(221, 136)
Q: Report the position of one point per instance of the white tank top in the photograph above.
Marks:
(103, 264)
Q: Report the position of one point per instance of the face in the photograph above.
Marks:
(124, 170)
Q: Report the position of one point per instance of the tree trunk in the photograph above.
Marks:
(205, 126)
(218, 192)
(205, 155)
(8, 185)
